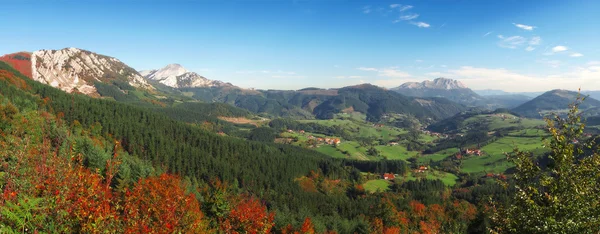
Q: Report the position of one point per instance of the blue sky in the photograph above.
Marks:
(509, 45)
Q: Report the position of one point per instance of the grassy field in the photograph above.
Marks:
(331, 151)
(438, 156)
(497, 122)
(447, 178)
(376, 185)
(494, 159)
(396, 152)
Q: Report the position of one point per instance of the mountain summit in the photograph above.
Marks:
(73, 69)
(439, 83)
(441, 87)
(176, 76)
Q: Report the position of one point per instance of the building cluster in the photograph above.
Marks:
(472, 152)
(435, 134)
(421, 169)
(388, 176)
(327, 140)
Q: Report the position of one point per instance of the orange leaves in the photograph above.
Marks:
(160, 205)
(249, 215)
(20, 61)
(11, 78)
(417, 208)
(307, 227)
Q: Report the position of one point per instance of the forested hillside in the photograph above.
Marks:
(302, 188)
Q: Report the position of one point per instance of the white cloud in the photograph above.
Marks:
(530, 48)
(524, 27)
(444, 66)
(511, 42)
(367, 69)
(421, 24)
(419, 61)
(391, 72)
(405, 8)
(535, 40)
(575, 55)
(559, 49)
(401, 7)
(484, 78)
(487, 34)
(409, 17)
(386, 72)
(366, 9)
(592, 63)
(500, 36)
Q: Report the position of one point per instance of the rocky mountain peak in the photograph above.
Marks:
(176, 76)
(438, 83)
(73, 69)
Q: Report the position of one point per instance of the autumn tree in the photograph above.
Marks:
(160, 205)
(249, 215)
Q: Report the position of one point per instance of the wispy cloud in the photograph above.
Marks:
(535, 40)
(487, 34)
(559, 48)
(593, 63)
(421, 24)
(419, 61)
(402, 11)
(367, 69)
(405, 8)
(409, 17)
(386, 72)
(366, 10)
(401, 7)
(511, 42)
(575, 55)
(524, 27)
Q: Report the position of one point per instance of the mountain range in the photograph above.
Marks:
(86, 72)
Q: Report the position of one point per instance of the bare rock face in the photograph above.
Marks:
(73, 69)
(439, 83)
(176, 76)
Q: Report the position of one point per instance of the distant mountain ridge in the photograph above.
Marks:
(555, 101)
(176, 76)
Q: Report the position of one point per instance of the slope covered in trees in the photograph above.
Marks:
(223, 174)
